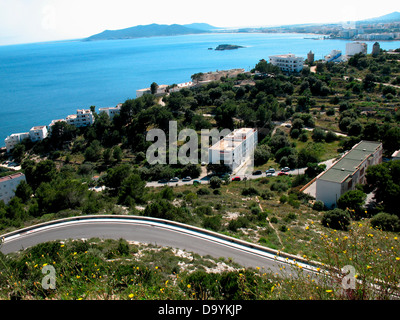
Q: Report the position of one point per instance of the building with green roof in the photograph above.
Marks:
(347, 172)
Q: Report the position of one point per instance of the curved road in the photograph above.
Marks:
(155, 232)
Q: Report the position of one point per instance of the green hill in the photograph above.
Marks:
(141, 31)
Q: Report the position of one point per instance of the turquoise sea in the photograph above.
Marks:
(44, 81)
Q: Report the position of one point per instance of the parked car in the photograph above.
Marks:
(203, 163)
(269, 174)
(270, 170)
(282, 173)
(163, 181)
(187, 179)
(257, 172)
(174, 179)
(236, 179)
(285, 169)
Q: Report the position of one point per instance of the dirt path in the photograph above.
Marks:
(271, 225)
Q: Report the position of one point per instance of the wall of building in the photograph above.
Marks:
(328, 192)
(8, 185)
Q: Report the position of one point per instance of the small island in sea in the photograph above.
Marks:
(222, 47)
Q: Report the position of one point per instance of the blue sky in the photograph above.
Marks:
(23, 21)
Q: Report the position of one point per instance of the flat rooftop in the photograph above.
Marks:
(11, 176)
(232, 140)
(349, 163)
(38, 128)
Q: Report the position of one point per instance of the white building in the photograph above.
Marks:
(82, 118)
(287, 62)
(334, 56)
(353, 48)
(111, 111)
(12, 140)
(234, 149)
(347, 172)
(38, 133)
(180, 86)
(8, 185)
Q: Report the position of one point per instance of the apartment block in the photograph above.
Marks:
(287, 62)
(347, 172)
(38, 133)
(234, 149)
(12, 140)
(9, 184)
(111, 111)
(82, 118)
(352, 48)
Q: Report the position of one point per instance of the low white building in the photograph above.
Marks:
(334, 56)
(9, 184)
(12, 140)
(82, 118)
(111, 111)
(234, 149)
(287, 62)
(180, 86)
(353, 48)
(38, 133)
(347, 172)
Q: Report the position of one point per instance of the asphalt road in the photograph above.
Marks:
(149, 232)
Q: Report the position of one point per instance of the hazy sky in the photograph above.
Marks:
(24, 21)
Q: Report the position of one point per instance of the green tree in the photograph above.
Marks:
(93, 152)
(132, 190)
(18, 152)
(262, 154)
(117, 153)
(24, 191)
(153, 88)
(353, 200)
(384, 180)
(215, 182)
(318, 134)
(107, 155)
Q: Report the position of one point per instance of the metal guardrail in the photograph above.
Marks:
(166, 222)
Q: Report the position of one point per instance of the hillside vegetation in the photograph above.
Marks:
(358, 99)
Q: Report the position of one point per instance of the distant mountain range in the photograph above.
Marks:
(156, 30)
(391, 17)
(153, 30)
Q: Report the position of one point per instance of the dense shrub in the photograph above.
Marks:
(250, 191)
(318, 205)
(386, 222)
(336, 219)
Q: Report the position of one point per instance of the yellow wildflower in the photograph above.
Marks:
(328, 291)
(397, 258)
(131, 295)
(189, 286)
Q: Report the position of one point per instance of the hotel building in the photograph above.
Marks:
(287, 62)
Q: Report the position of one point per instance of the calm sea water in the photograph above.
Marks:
(44, 81)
